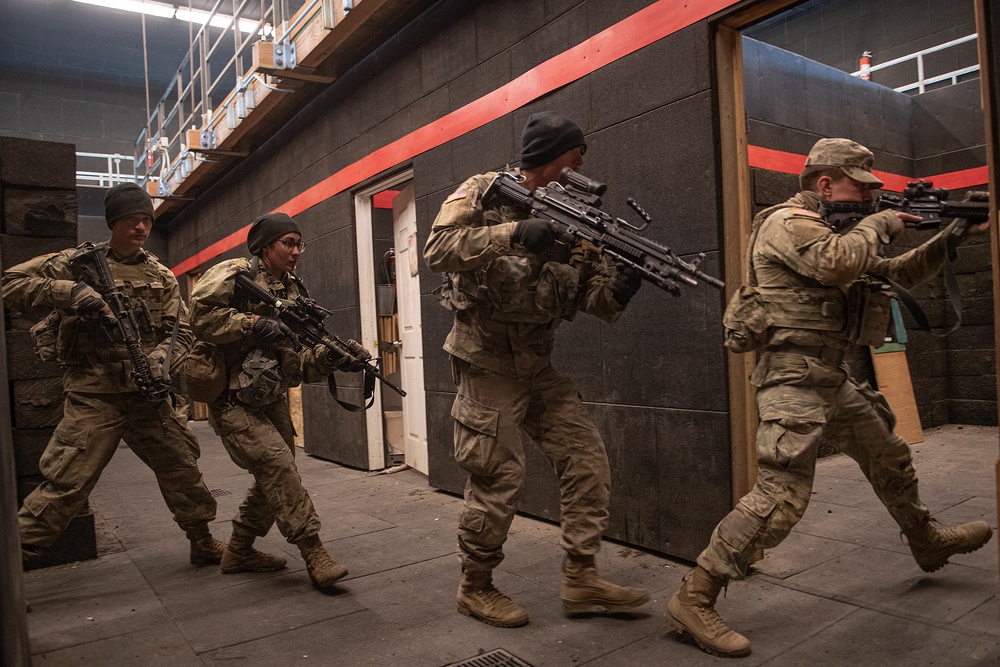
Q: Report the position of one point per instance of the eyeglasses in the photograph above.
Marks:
(582, 149)
(292, 243)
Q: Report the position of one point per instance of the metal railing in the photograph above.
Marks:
(102, 170)
(215, 65)
(920, 85)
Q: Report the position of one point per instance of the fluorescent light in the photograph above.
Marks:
(168, 11)
(150, 7)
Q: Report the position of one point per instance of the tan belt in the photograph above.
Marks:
(827, 354)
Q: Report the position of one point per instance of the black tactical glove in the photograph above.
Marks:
(348, 363)
(85, 300)
(624, 283)
(535, 234)
(272, 331)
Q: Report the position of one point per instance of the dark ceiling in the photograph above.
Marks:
(70, 38)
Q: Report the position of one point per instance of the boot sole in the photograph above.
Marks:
(517, 623)
(583, 607)
(937, 565)
(682, 630)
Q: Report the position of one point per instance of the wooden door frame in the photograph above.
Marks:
(990, 102)
(736, 216)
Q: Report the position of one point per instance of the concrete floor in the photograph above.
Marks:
(842, 590)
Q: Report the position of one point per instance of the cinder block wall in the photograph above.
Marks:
(837, 33)
(954, 378)
(655, 381)
(37, 190)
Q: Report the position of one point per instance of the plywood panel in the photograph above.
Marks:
(892, 372)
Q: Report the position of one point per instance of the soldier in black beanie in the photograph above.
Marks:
(103, 404)
(510, 284)
(264, 359)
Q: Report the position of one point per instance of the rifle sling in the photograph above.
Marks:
(369, 393)
(954, 296)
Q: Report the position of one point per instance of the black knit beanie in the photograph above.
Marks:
(267, 228)
(126, 199)
(547, 135)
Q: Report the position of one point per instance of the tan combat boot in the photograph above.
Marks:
(584, 590)
(478, 598)
(323, 570)
(932, 546)
(692, 611)
(205, 549)
(240, 556)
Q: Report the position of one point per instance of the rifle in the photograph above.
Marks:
(573, 204)
(129, 322)
(305, 318)
(920, 198)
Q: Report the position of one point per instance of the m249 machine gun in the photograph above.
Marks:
(573, 204)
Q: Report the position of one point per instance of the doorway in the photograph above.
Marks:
(388, 259)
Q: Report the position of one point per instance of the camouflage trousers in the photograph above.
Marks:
(799, 400)
(261, 441)
(492, 415)
(82, 446)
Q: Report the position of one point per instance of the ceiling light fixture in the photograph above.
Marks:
(168, 11)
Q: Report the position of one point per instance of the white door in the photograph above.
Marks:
(411, 351)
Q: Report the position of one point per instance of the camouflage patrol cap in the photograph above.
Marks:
(851, 157)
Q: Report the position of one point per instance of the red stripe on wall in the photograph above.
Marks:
(627, 36)
(792, 163)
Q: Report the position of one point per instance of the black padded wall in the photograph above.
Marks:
(792, 101)
(655, 381)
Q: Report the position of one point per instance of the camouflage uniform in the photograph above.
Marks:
(508, 303)
(803, 390)
(102, 404)
(259, 438)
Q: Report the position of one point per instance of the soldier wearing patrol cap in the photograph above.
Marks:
(510, 284)
(103, 406)
(823, 289)
(251, 415)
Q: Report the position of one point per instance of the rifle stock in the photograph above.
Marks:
(572, 205)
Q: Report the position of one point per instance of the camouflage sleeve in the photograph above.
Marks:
(37, 286)
(461, 238)
(213, 319)
(173, 311)
(805, 244)
(314, 369)
(595, 290)
(918, 265)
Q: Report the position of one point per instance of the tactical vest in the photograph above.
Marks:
(860, 315)
(84, 339)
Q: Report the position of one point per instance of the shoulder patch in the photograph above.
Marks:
(805, 213)
(461, 193)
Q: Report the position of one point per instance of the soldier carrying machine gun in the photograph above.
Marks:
(573, 204)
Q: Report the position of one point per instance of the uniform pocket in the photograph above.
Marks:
(67, 444)
(475, 435)
(791, 420)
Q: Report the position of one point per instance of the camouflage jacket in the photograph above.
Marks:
(93, 362)
(507, 300)
(794, 248)
(220, 317)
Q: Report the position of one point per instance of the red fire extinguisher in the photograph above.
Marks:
(866, 65)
